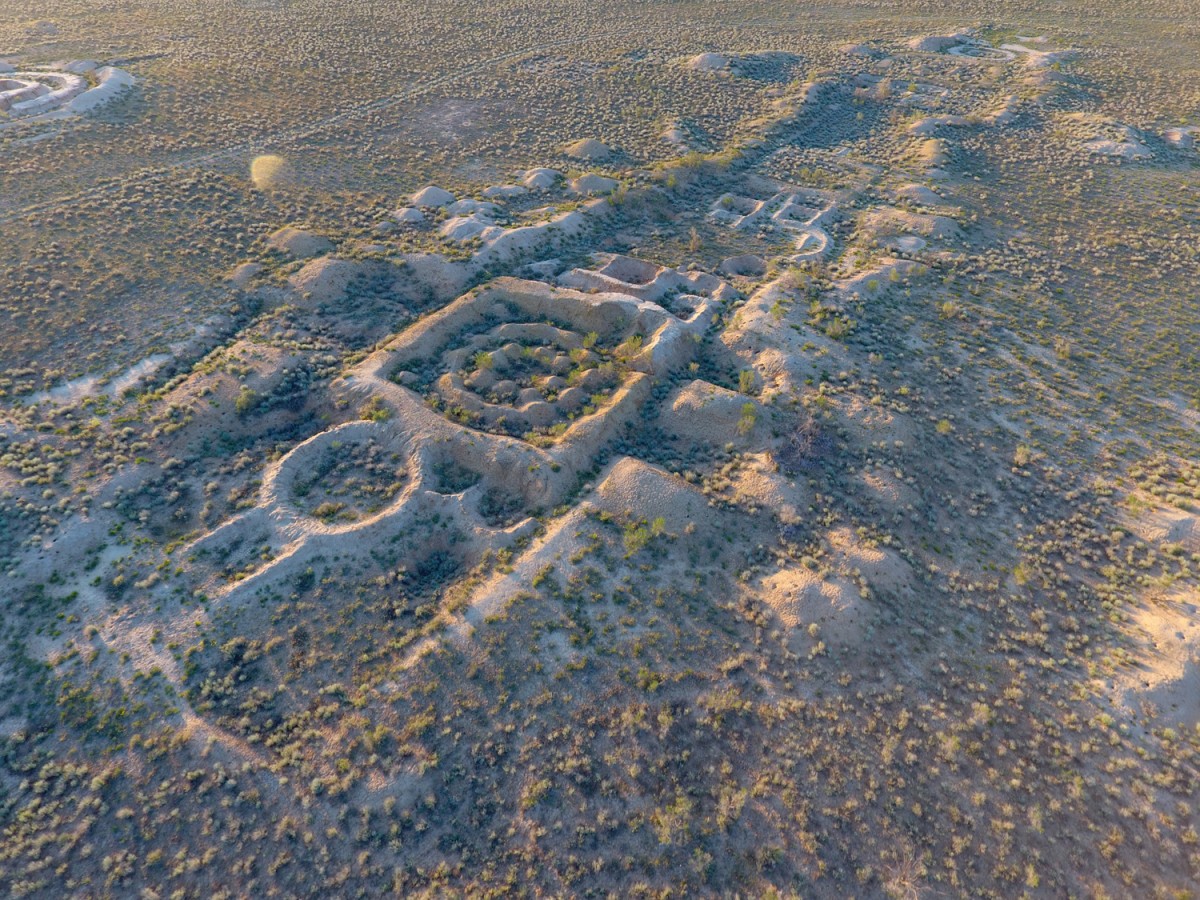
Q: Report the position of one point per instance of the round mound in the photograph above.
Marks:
(588, 149)
(638, 490)
(325, 280)
(920, 195)
(1183, 138)
(936, 43)
(541, 179)
(409, 215)
(708, 62)
(298, 243)
(594, 184)
(432, 197)
(703, 414)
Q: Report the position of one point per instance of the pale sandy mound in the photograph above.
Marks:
(936, 43)
(1005, 112)
(708, 62)
(704, 414)
(588, 149)
(867, 423)
(675, 135)
(546, 268)
(801, 598)
(477, 226)
(882, 486)
(432, 197)
(325, 280)
(637, 490)
(593, 184)
(244, 274)
(298, 243)
(505, 191)
(758, 484)
(932, 152)
(541, 179)
(920, 195)
(1040, 59)
(432, 272)
(470, 206)
(908, 243)
(409, 215)
(1109, 138)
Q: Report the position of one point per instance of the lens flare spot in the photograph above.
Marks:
(268, 171)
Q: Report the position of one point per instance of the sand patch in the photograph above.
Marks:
(1167, 526)
(815, 608)
(931, 124)
(882, 568)
(242, 275)
(1128, 149)
(932, 153)
(1164, 682)
(886, 488)
(937, 43)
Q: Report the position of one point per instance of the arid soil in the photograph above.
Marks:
(731, 454)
